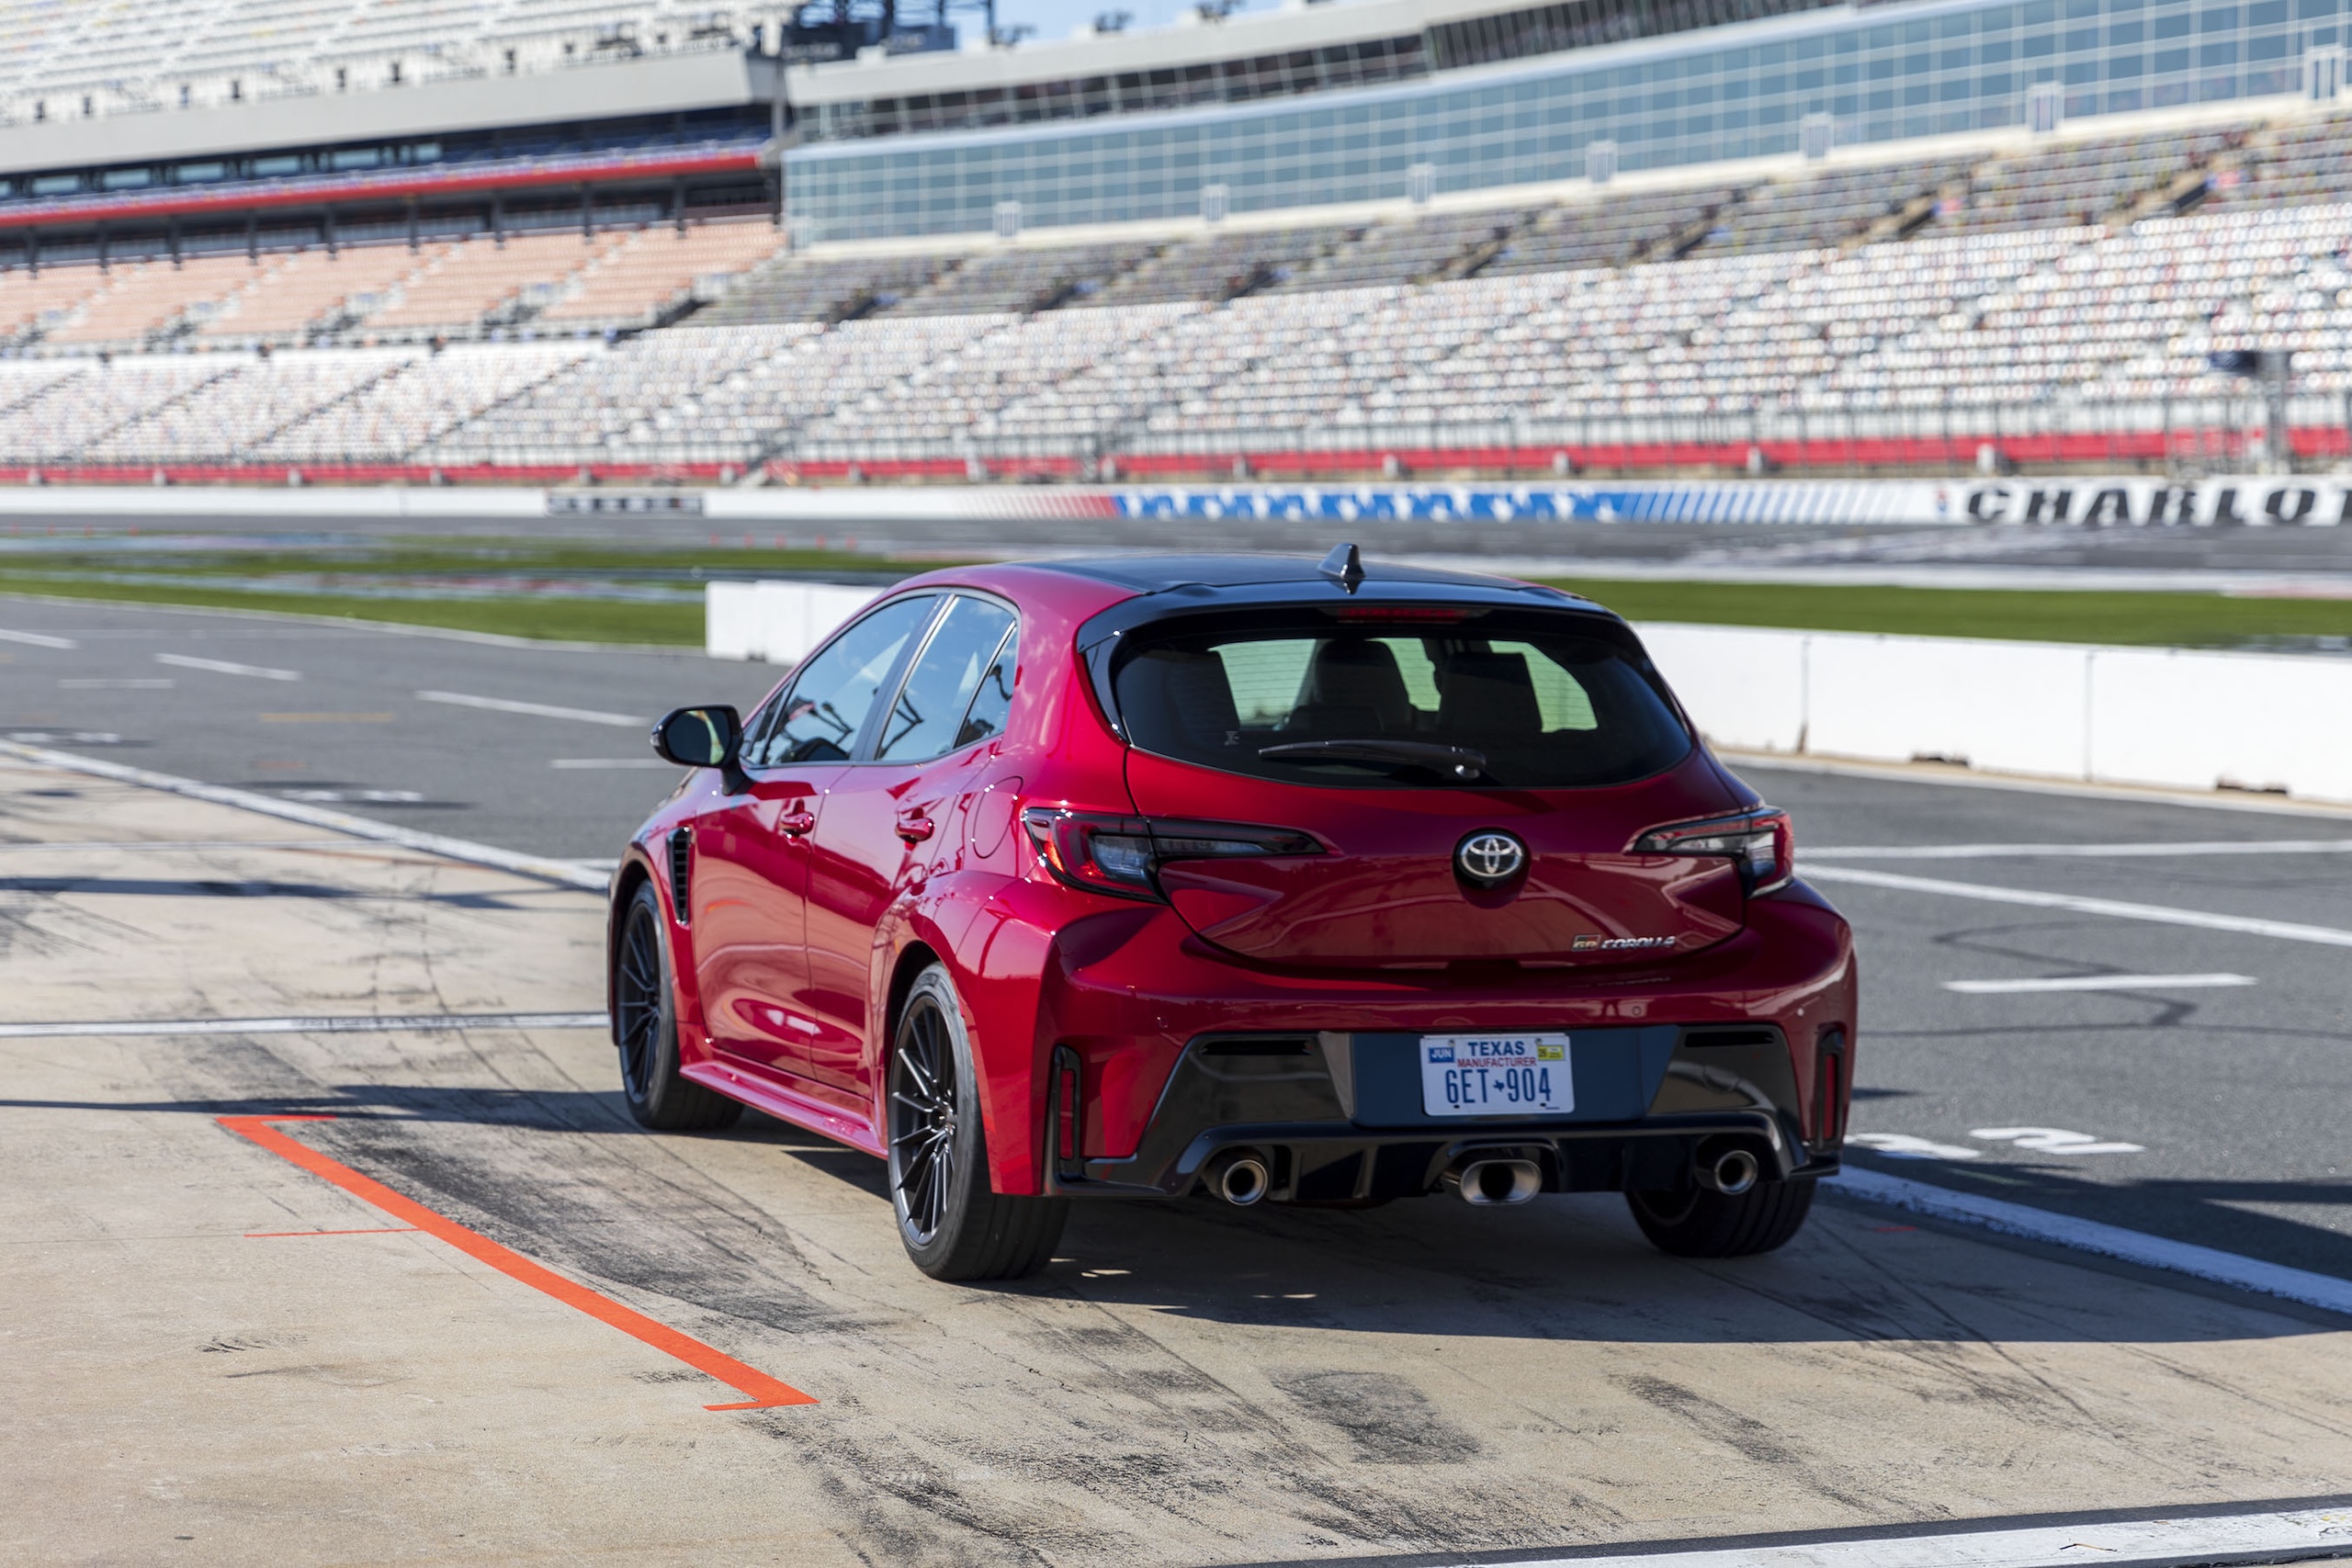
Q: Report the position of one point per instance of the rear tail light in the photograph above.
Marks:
(1122, 856)
(1759, 841)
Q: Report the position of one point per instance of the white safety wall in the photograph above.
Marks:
(2173, 717)
(778, 622)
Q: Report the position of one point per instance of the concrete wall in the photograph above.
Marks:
(2175, 717)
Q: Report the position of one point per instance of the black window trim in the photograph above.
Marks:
(766, 712)
(870, 736)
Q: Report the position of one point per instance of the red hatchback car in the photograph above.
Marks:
(1239, 876)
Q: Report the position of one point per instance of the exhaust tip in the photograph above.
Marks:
(1490, 1182)
(1734, 1172)
(1239, 1178)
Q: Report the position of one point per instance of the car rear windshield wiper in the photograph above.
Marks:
(1456, 762)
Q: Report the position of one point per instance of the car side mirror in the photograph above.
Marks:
(700, 738)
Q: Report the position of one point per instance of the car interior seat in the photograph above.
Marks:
(1353, 690)
(1489, 697)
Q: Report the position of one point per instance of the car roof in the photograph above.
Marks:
(1157, 574)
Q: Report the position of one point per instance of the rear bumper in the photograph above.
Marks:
(1751, 1040)
(1334, 1119)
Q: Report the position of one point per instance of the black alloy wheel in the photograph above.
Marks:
(923, 1122)
(953, 1223)
(645, 1029)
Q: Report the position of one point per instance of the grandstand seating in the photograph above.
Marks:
(53, 55)
(1726, 307)
(28, 300)
(1608, 231)
(656, 270)
(802, 288)
(1221, 265)
(1828, 208)
(2083, 182)
(451, 296)
(317, 290)
(1023, 279)
(259, 398)
(142, 299)
(2309, 162)
(399, 412)
(1413, 251)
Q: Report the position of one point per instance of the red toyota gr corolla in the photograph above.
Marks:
(1237, 876)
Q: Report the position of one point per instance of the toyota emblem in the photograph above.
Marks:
(1489, 859)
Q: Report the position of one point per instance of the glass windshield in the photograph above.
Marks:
(1509, 701)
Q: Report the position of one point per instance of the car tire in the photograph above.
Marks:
(1700, 1224)
(954, 1226)
(645, 1029)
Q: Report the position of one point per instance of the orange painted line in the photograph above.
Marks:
(379, 1230)
(767, 1394)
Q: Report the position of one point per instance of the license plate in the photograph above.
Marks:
(1496, 1075)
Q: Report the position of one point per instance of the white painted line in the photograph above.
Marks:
(537, 710)
(587, 764)
(429, 1023)
(2091, 1235)
(568, 874)
(227, 666)
(1907, 1146)
(2092, 851)
(2159, 914)
(2302, 1535)
(2096, 983)
(153, 846)
(1962, 778)
(116, 684)
(38, 639)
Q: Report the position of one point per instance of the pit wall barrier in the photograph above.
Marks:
(2095, 502)
(2174, 718)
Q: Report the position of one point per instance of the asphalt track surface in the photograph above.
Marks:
(2231, 1091)
(2193, 1093)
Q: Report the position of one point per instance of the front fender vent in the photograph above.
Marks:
(681, 873)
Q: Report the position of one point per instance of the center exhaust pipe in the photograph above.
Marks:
(1731, 1173)
(1490, 1182)
(1238, 1176)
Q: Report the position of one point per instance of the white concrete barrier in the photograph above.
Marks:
(778, 622)
(2181, 719)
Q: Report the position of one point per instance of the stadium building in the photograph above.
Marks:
(533, 239)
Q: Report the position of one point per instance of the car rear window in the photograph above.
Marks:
(1518, 701)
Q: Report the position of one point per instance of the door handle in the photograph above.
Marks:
(794, 823)
(913, 827)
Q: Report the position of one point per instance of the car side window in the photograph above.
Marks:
(993, 701)
(925, 720)
(819, 716)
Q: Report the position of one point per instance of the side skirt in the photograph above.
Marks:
(788, 1105)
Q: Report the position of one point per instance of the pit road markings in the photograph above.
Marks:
(766, 1393)
(535, 710)
(2096, 983)
(2302, 1535)
(226, 666)
(2085, 851)
(2116, 908)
